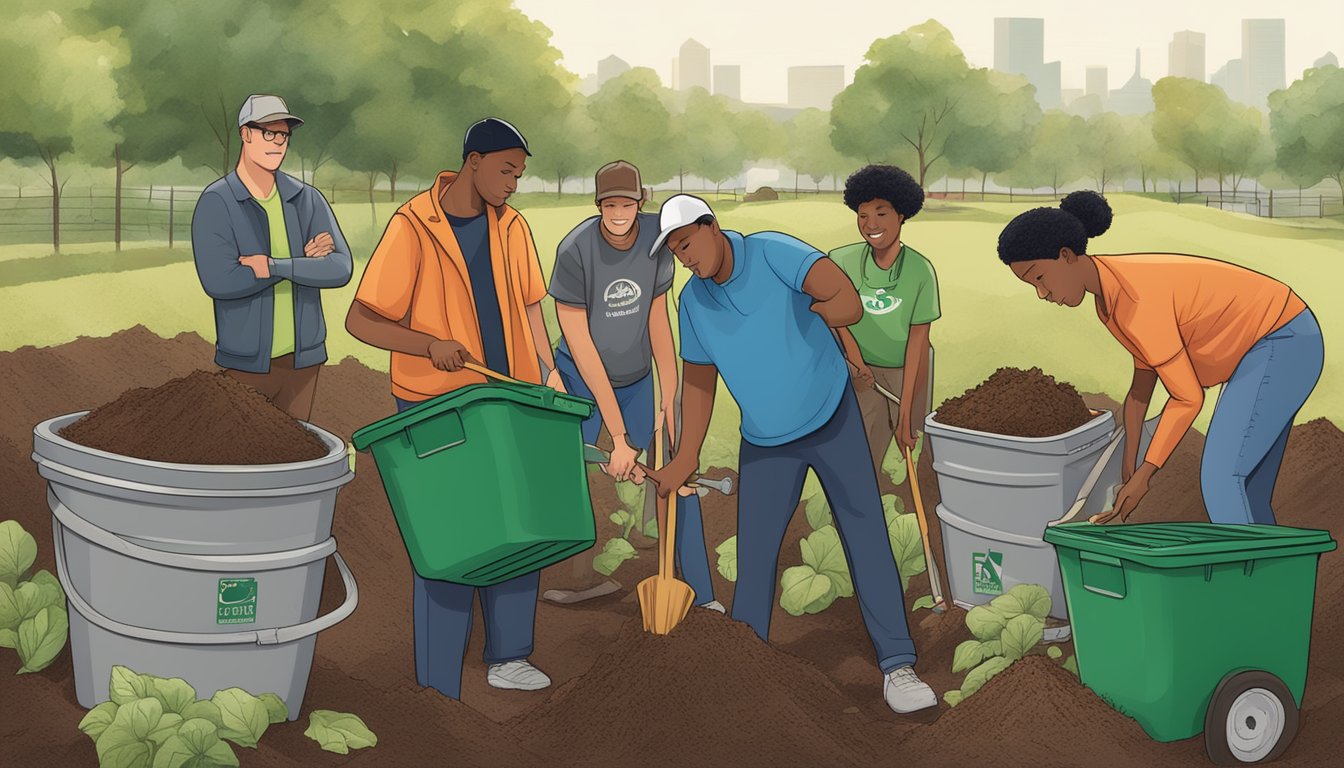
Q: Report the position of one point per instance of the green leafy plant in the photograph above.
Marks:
(617, 550)
(614, 552)
(727, 552)
(1010, 627)
(33, 617)
(157, 722)
(893, 464)
(823, 576)
(907, 545)
(339, 732)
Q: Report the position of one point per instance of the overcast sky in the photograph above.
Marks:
(765, 39)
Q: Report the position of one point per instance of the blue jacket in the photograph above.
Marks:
(227, 224)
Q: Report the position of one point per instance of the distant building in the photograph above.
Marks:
(1069, 95)
(1185, 55)
(815, 86)
(1085, 105)
(692, 67)
(1328, 60)
(728, 81)
(1134, 97)
(1262, 56)
(1098, 82)
(609, 68)
(1231, 77)
(1019, 48)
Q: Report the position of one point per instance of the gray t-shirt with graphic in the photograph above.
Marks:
(617, 288)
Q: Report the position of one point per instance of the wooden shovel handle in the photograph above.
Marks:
(489, 374)
(935, 573)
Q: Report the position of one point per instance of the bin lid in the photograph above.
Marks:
(531, 395)
(1179, 545)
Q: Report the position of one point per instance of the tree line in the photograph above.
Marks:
(388, 89)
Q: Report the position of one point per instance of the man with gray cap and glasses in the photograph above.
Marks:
(611, 300)
(265, 245)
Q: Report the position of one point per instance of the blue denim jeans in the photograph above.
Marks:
(443, 623)
(1249, 429)
(772, 482)
(637, 411)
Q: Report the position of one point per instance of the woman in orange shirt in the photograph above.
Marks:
(1192, 322)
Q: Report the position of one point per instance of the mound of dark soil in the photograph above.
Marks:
(1017, 403)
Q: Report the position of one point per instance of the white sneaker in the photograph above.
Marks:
(906, 693)
(714, 605)
(517, 676)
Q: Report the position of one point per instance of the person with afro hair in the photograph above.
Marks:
(1191, 322)
(898, 288)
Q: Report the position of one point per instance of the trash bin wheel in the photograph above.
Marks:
(1252, 718)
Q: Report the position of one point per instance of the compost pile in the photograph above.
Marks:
(1018, 403)
(201, 418)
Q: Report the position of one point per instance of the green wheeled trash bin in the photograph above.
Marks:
(486, 482)
(1190, 627)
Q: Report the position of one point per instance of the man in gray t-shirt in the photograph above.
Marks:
(611, 300)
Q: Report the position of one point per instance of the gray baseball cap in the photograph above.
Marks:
(264, 108)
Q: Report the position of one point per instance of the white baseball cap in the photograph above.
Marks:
(677, 212)
(265, 108)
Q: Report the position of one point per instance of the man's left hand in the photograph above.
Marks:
(1129, 496)
(260, 264)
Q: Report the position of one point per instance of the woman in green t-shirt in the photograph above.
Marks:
(899, 291)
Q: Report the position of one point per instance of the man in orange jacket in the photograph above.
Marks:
(455, 278)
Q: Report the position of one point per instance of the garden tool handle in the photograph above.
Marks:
(1090, 483)
(489, 374)
(935, 573)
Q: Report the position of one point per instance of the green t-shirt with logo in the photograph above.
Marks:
(893, 300)
(282, 338)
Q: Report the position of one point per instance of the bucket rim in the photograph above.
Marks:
(48, 431)
(935, 427)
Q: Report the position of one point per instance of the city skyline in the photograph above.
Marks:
(766, 44)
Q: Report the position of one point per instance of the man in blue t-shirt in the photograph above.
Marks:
(760, 311)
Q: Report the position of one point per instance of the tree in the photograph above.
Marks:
(632, 122)
(809, 150)
(1000, 115)
(1154, 162)
(1107, 151)
(1054, 159)
(906, 97)
(563, 146)
(59, 92)
(1307, 123)
(1197, 123)
(714, 148)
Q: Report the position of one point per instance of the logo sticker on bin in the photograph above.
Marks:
(236, 602)
(988, 575)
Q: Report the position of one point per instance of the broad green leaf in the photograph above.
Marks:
(9, 638)
(1029, 599)
(993, 648)
(614, 552)
(11, 615)
(984, 623)
(42, 637)
(199, 734)
(631, 496)
(126, 686)
(893, 465)
(823, 551)
(204, 710)
(338, 732)
(51, 585)
(907, 546)
(245, 717)
(803, 590)
(33, 596)
(174, 693)
(953, 697)
(818, 511)
(175, 753)
(195, 745)
(968, 655)
(618, 517)
(892, 506)
(728, 558)
(1054, 652)
(98, 719)
(1020, 635)
(167, 728)
(275, 707)
(18, 550)
(219, 756)
(982, 674)
(924, 602)
(1071, 665)
(651, 529)
(126, 742)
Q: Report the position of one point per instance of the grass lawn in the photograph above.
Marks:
(989, 318)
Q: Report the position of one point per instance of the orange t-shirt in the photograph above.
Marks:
(1190, 319)
(418, 277)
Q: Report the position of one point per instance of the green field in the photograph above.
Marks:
(989, 318)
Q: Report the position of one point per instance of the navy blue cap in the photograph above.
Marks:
(492, 135)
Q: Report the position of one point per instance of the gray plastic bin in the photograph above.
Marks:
(998, 493)
(208, 573)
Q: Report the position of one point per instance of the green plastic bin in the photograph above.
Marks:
(1167, 615)
(487, 482)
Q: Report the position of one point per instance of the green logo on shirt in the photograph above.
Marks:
(880, 303)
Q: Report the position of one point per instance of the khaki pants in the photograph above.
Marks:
(880, 415)
(290, 389)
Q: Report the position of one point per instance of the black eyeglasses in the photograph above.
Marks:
(270, 135)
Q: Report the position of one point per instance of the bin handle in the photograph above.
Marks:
(276, 636)
(547, 397)
(267, 561)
